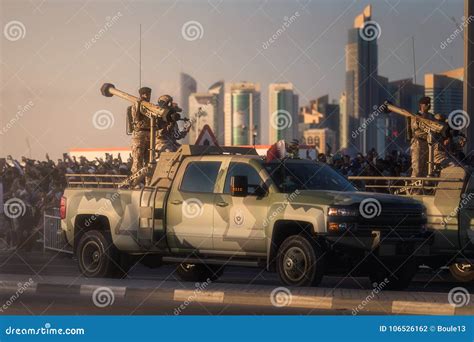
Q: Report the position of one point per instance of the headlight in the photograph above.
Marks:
(342, 212)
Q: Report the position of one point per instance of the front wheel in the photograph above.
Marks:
(462, 272)
(299, 262)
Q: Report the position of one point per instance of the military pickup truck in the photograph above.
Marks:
(205, 208)
(449, 200)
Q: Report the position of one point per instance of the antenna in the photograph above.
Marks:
(140, 59)
(414, 60)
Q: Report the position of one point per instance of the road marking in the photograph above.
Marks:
(311, 302)
(8, 285)
(422, 308)
(119, 291)
(193, 295)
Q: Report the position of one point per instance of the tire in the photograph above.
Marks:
(462, 272)
(299, 262)
(97, 257)
(397, 277)
(199, 272)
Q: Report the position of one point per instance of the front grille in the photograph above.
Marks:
(395, 222)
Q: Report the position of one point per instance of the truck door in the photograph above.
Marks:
(239, 221)
(190, 206)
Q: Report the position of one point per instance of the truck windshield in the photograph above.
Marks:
(293, 175)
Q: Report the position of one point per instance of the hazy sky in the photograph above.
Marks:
(51, 62)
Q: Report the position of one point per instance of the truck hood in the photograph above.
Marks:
(355, 197)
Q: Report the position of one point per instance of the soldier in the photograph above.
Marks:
(140, 132)
(419, 141)
(167, 131)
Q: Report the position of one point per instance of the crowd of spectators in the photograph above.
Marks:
(39, 184)
(32, 187)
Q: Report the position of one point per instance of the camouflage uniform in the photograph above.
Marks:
(419, 149)
(140, 139)
(167, 130)
(167, 137)
(440, 158)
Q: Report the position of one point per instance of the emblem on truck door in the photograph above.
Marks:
(238, 217)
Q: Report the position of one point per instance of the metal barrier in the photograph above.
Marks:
(53, 237)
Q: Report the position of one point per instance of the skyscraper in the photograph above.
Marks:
(362, 88)
(405, 94)
(283, 112)
(188, 86)
(242, 113)
(344, 133)
(208, 109)
(203, 110)
(218, 90)
(323, 115)
(445, 90)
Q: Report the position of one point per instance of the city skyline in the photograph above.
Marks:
(72, 95)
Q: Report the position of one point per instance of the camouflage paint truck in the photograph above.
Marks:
(449, 201)
(205, 208)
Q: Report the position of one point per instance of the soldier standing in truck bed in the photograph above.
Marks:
(419, 140)
(140, 132)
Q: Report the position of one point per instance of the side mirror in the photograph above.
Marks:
(261, 190)
(238, 186)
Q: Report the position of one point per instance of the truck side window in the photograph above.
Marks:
(242, 169)
(200, 177)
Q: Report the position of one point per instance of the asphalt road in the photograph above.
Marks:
(60, 264)
(49, 265)
(143, 305)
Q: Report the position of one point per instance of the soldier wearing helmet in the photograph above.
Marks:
(140, 125)
(168, 131)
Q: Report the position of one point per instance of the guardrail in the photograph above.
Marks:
(75, 180)
(53, 237)
(398, 185)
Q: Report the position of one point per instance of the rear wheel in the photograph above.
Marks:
(299, 262)
(462, 272)
(97, 256)
(199, 272)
